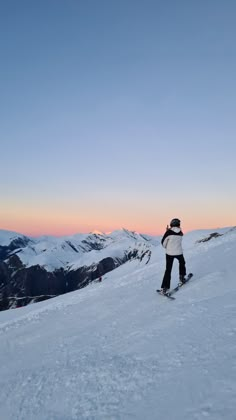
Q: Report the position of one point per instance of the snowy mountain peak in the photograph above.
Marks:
(7, 236)
(97, 232)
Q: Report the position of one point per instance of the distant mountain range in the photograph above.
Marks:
(34, 269)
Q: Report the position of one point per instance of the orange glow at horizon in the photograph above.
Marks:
(59, 219)
(59, 227)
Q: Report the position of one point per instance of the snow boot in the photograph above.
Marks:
(163, 291)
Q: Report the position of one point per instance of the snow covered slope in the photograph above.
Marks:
(71, 252)
(7, 237)
(117, 350)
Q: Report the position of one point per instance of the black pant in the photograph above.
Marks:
(169, 264)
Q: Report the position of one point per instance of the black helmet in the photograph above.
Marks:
(175, 223)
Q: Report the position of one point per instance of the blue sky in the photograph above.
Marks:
(117, 113)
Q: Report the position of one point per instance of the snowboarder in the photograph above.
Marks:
(172, 242)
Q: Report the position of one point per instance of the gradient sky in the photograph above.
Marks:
(117, 114)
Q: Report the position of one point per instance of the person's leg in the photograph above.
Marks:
(167, 275)
(182, 266)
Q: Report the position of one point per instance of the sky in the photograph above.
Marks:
(117, 114)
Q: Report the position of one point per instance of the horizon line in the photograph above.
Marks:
(99, 232)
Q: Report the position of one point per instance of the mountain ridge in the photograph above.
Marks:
(48, 266)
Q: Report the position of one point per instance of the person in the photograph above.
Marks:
(172, 242)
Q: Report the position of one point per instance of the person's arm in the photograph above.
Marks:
(165, 239)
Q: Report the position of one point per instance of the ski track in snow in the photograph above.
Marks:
(117, 350)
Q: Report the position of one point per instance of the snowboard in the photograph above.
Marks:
(169, 294)
(189, 276)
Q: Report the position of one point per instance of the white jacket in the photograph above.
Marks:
(172, 241)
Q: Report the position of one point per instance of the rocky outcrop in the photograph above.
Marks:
(20, 285)
(211, 236)
(17, 243)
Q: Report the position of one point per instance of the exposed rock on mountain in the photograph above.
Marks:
(36, 269)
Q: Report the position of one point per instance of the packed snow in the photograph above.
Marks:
(117, 350)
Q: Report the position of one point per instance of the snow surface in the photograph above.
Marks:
(117, 350)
